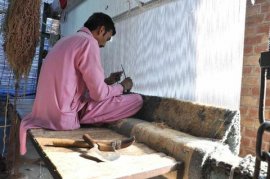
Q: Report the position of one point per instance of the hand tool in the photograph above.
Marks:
(100, 150)
(89, 142)
(128, 91)
(56, 142)
(100, 156)
(123, 71)
(109, 145)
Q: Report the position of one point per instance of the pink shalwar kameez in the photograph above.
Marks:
(72, 67)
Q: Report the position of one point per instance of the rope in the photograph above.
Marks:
(5, 126)
(6, 110)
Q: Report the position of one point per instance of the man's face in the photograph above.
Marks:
(103, 36)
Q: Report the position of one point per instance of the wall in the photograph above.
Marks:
(256, 41)
(75, 18)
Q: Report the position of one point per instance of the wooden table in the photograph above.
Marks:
(135, 161)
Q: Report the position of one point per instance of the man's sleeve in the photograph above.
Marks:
(93, 74)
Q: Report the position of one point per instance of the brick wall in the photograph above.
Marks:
(256, 41)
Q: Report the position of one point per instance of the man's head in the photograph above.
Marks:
(101, 26)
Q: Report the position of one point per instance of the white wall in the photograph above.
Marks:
(187, 49)
(76, 18)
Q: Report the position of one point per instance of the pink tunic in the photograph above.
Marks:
(71, 67)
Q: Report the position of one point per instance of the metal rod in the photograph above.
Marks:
(5, 126)
(46, 7)
(139, 9)
(268, 162)
(123, 71)
(262, 95)
(257, 168)
(268, 169)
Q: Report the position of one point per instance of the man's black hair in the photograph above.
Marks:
(100, 19)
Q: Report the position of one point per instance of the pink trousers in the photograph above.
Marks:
(112, 109)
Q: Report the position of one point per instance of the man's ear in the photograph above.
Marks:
(101, 30)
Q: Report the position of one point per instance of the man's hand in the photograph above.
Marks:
(127, 84)
(113, 78)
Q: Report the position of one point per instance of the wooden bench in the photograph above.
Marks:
(188, 134)
(135, 161)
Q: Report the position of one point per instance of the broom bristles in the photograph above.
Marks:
(21, 35)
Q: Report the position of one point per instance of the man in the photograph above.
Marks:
(71, 88)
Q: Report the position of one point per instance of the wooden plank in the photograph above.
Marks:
(135, 161)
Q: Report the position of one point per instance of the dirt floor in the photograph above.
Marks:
(30, 165)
